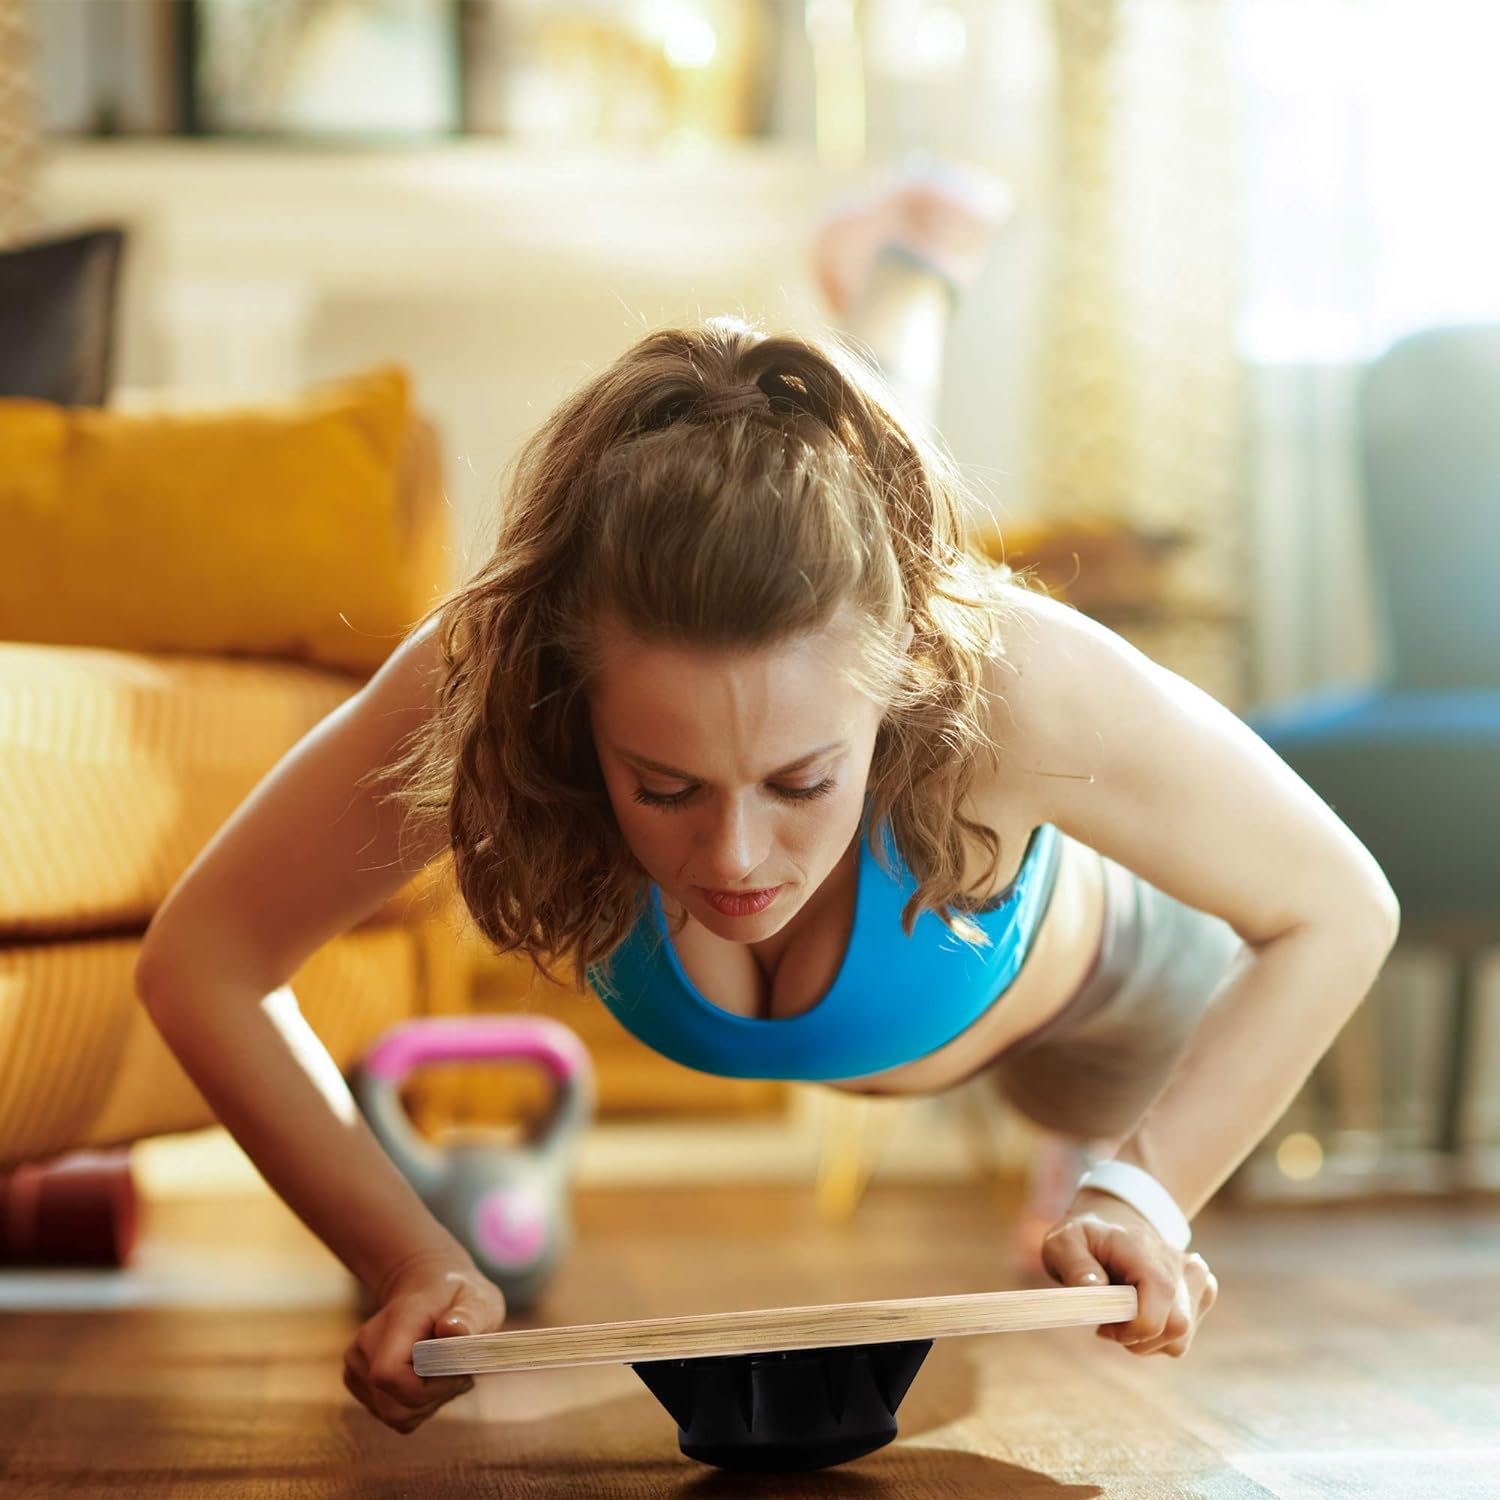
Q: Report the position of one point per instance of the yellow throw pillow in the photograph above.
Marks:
(276, 530)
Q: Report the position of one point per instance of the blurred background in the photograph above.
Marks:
(1228, 380)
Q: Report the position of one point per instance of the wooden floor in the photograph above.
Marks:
(1354, 1352)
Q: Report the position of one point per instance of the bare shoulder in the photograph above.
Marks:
(409, 678)
(1153, 772)
(1045, 646)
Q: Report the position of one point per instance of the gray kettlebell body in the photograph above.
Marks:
(508, 1204)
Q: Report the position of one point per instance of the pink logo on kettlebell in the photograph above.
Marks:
(511, 1226)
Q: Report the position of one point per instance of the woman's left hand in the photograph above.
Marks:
(1102, 1240)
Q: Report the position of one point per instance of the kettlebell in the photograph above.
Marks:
(508, 1204)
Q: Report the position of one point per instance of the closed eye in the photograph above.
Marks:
(789, 794)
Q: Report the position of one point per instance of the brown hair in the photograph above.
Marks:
(724, 488)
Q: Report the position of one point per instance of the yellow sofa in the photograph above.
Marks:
(182, 596)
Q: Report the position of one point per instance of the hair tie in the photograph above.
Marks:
(733, 398)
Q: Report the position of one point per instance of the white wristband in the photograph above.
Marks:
(1138, 1188)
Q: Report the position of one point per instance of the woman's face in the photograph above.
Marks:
(734, 772)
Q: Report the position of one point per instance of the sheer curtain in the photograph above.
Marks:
(1244, 201)
(1369, 149)
(1370, 144)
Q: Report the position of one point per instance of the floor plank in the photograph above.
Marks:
(1355, 1351)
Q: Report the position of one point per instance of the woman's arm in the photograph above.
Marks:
(1250, 1055)
(305, 857)
(1156, 774)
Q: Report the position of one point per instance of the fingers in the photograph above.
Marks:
(1192, 1292)
(1156, 1281)
(384, 1397)
(467, 1314)
(1176, 1327)
(1173, 1290)
(1068, 1258)
(398, 1418)
(428, 1300)
(378, 1370)
(391, 1371)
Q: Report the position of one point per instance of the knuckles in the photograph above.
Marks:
(388, 1383)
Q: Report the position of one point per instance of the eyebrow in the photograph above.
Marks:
(665, 770)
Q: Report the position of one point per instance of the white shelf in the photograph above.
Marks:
(498, 275)
(431, 220)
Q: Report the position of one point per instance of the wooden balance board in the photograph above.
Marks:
(782, 1388)
(774, 1330)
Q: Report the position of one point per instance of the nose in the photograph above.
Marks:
(734, 848)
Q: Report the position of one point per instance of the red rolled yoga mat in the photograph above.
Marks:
(80, 1209)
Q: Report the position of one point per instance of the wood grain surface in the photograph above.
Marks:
(759, 1330)
(1354, 1352)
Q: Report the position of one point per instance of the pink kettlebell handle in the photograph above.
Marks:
(428, 1039)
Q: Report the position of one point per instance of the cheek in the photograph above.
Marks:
(637, 823)
(644, 827)
(655, 837)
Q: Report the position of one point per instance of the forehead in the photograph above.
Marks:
(670, 690)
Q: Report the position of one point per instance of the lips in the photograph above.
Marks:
(740, 903)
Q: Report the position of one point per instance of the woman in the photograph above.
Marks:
(728, 645)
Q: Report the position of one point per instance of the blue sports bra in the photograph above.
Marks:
(893, 1000)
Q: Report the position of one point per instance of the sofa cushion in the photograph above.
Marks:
(57, 311)
(279, 530)
(85, 1066)
(115, 769)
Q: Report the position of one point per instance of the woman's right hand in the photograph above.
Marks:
(428, 1298)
